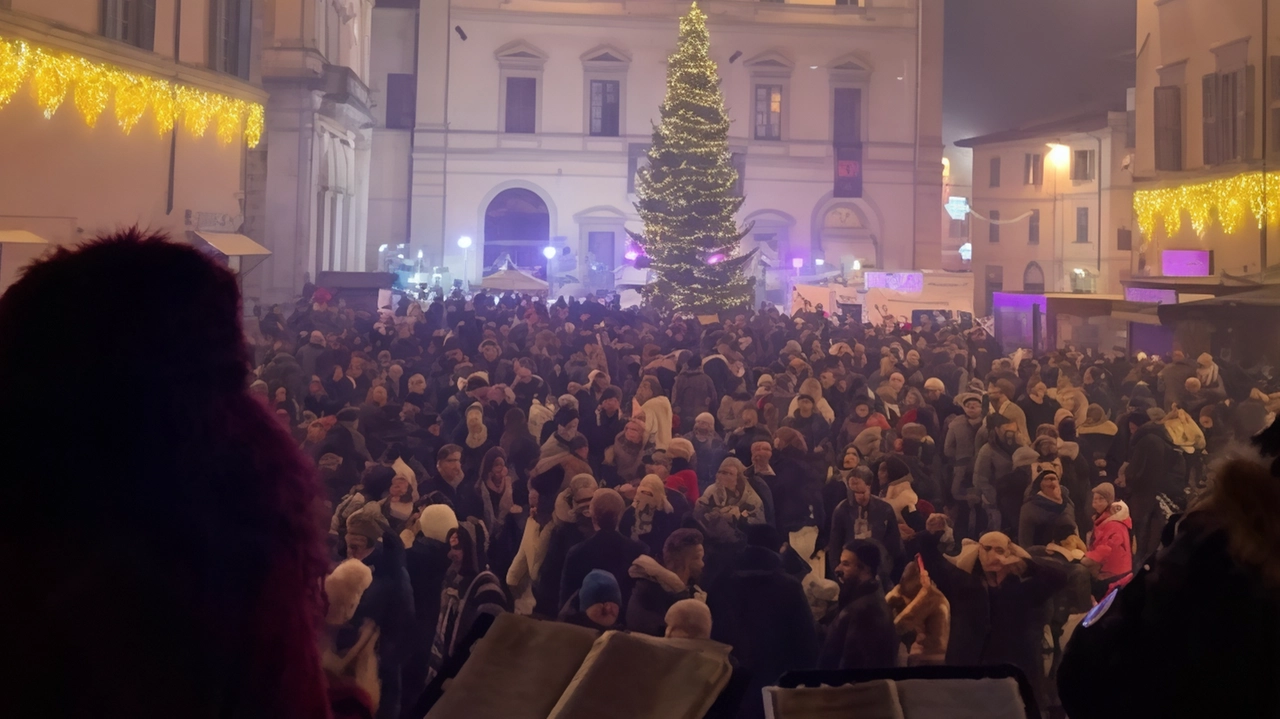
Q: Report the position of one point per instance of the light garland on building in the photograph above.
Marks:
(94, 85)
(1229, 199)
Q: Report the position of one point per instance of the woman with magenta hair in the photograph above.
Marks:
(167, 560)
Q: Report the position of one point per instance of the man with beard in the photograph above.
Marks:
(658, 586)
(450, 482)
(863, 635)
(994, 460)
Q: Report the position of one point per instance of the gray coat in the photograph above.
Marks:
(693, 394)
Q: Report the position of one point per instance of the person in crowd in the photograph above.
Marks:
(998, 595)
(797, 493)
(503, 517)
(694, 392)
(863, 635)
(1097, 437)
(659, 586)
(999, 396)
(760, 474)
(748, 432)
(1037, 406)
(605, 549)
(387, 603)
(622, 462)
(1195, 628)
(864, 516)
(650, 403)
(596, 604)
(650, 518)
(572, 527)
(1047, 512)
(995, 460)
(688, 619)
(1153, 468)
(708, 447)
(472, 598)
(729, 506)
(773, 632)
(923, 614)
(210, 605)
(452, 484)
(427, 562)
(674, 467)
(1110, 555)
(602, 426)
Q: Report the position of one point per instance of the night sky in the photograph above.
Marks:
(1012, 62)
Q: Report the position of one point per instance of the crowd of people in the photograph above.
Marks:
(884, 495)
(808, 490)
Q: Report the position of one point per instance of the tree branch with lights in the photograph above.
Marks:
(686, 194)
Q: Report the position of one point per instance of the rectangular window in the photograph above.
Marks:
(1033, 169)
(230, 28)
(768, 112)
(959, 229)
(1033, 228)
(993, 227)
(1273, 105)
(402, 100)
(601, 247)
(1124, 239)
(1209, 118)
(739, 162)
(522, 105)
(1082, 224)
(1168, 127)
(847, 123)
(995, 172)
(131, 21)
(1082, 165)
(605, 101)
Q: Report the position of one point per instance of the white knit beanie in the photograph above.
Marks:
(436, 521)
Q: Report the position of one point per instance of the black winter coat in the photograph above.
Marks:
(546, 589)
(1193, 636)
(797, 493)
(994, 625)
(664, 523)
(607, 549)
(863, 635)
(771, 633)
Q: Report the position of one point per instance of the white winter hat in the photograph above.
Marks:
(436, 520)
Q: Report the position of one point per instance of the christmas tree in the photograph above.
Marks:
(685, 195)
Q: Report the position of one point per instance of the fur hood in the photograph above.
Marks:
(646, 567)
(1106, 427)
(1069, 450)
(1119, 513)
(344, 587)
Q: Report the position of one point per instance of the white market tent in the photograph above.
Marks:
(32, 243)
(241, 253)
(511, 279)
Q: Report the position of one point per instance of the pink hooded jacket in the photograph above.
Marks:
(1110, 545)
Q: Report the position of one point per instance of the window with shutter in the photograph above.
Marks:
(1033, 169)
(522, 105)
(1082, 224)
(1209, 117)
(1033, 228)
(1244, 111)
(1228, 128)
(1168, 129)
(604, 107)
(402, 101)
(230, 26)
(1082, 165)
(1124, 239)
(131, 21)
(995, 171)
(847, 123)
(993, 227)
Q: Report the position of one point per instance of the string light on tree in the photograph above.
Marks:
(685, 195)
(94, 85)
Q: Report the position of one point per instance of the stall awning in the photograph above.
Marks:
(241, 253)
(21, 237)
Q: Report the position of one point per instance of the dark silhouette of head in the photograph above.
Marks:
(169, 553)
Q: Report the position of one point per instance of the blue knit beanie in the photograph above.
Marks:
(599, 587)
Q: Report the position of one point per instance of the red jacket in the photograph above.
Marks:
(1110, 546)
(685, 482)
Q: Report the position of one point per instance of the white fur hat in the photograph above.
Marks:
(344, 587)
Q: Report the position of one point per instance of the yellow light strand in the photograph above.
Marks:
(94, 85)
(1228, 199)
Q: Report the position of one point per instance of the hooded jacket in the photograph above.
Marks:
(1110, 545)
(863, 635)
(656, 589)
(693, 394)
(1041, 518)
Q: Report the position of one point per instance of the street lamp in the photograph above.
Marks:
(548, 252)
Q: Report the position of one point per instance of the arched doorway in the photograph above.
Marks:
(518, 224)
(1033, 278)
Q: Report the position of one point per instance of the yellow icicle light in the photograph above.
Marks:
(93, 90)
(50, 81)
(14, 61)
(164, 104)
(1229, 199)
(253, 125)
(230, 115)
(95, 84)
(133, 93)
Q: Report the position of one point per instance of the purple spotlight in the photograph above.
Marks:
(715, 259)
(631, 255)
(797, 262)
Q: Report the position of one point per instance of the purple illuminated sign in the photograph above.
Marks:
(912, 282)
(1152, 295)
(1186, 263)
(1016, 301)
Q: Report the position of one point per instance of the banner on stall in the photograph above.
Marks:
(901, 294)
